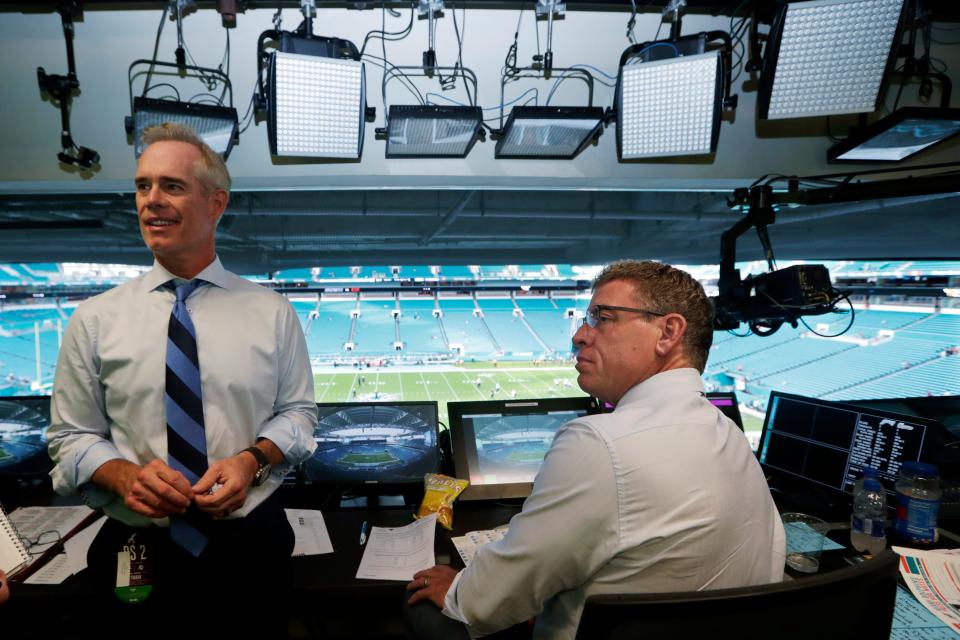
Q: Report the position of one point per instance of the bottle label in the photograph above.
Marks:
(917, 518)
(869, 526)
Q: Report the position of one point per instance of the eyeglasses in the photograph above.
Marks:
(593, 318)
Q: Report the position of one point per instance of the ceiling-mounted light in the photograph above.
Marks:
(542, 133)
(827, 57)
(900, 135)
(316, 106)
(432, 131)
(669, 107)
(315, 96)
(216, 124)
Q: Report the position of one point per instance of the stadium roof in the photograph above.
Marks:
(287, 213)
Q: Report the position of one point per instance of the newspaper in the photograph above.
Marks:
(934, 579)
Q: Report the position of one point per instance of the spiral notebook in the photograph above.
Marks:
(13, 555)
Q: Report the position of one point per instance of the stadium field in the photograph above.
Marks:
(446, 384)
(366, 458)
(526, 456)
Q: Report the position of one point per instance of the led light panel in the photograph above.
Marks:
(432, 131)
(669, 107)
(549, 132)
(317, 106)
(216, 125)
(905, 132)
(831, 58)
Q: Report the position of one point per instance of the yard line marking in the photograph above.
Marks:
(529, 390)
(426, 387)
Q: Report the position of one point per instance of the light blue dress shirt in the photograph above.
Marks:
(109, 390)
(663, 494)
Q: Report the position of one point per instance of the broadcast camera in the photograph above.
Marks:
(768, 300)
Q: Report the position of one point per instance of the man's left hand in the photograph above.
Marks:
(234, 475)
(431, 584)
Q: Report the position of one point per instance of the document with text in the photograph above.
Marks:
(396, 553)
(309, 531)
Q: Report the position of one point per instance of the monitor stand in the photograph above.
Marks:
(372, 501)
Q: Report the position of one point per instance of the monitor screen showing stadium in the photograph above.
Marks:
(726, 401)
(381, 443)
(23, 435)
(499, 445)
(829, 443)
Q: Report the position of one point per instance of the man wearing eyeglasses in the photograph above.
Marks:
(662, 494)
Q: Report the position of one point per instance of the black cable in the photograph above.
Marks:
(383, 48)
(156, 48)
(163, 84)
(456, 29)
(248, 113)
(382, 34)
(388, 66)
(852, 312)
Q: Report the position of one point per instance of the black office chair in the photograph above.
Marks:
(851, 602)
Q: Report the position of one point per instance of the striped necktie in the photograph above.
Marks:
(186, 437)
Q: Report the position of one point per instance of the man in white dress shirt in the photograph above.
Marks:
(662, 494)
(110, 411)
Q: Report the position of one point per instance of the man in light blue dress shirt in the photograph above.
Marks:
(662, 494)
(108, 433)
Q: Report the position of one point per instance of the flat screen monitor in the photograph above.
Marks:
(23, 435)
(945, 409)
(374, 443)
(499, 445)
(726, 401)
(829, 443)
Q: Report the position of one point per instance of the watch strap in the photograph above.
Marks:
(263, 465)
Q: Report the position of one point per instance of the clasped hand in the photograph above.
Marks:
(158, 490)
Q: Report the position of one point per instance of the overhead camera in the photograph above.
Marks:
(766, 301)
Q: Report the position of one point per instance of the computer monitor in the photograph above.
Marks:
(374, 443)
(23, 435)
(498, 445)
(726, 401)
(945, 409)
(829, 443)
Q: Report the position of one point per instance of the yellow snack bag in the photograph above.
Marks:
(439, 492)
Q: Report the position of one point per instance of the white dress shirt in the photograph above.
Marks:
(109, 391)
(663, 494)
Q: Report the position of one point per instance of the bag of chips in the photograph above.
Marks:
(439, 492)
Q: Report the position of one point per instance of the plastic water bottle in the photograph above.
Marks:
(918, 502)
(868, 526)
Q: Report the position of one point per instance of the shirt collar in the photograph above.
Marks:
(214, 273)
(666, 383)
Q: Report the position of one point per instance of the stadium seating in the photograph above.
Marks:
(419, 330)
(375, 331)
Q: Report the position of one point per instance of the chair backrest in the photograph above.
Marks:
(855, 601)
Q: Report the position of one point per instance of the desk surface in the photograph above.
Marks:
(335, 571)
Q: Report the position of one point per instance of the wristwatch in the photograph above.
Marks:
(263, 466)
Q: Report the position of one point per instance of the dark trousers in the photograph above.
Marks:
(424, 621)
(239, 584)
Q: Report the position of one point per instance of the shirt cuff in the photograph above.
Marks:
(450, 606)
(94, 496)
(283, 431)
(95, 456)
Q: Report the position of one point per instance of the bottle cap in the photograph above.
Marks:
(870, 472)
(872, 484)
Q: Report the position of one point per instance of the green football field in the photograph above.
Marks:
(366, 458)
(455, 384)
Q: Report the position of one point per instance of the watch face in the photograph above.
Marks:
(262, 474)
